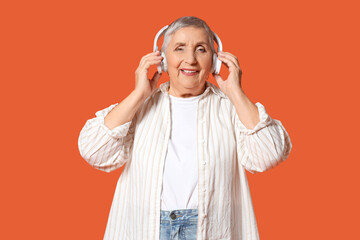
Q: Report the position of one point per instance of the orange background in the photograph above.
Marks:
(61, 61)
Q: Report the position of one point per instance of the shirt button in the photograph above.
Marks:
(204, 190)
(203, 162)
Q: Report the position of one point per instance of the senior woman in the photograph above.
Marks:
(186, 145)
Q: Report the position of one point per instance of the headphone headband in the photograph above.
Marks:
(218, 42)
(158, 35)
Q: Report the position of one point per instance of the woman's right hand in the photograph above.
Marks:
(144, 85)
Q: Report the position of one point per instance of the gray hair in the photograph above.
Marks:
(187, 21)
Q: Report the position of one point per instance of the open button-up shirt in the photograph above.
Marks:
(225, 149)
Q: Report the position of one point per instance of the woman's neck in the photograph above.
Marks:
(185, 94)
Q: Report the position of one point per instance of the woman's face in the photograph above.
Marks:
(189, 49)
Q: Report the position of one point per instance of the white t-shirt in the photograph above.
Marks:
(180, 181)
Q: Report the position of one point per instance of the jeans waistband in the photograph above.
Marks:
(179, 213)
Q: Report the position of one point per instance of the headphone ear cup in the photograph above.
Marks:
(216, 64)
(163, 62)
(213, 63)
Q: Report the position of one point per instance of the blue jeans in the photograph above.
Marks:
(178, 224)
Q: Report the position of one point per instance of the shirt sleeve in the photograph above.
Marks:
(103, 148)
(263, 147)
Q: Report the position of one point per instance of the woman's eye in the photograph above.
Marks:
(180, 49)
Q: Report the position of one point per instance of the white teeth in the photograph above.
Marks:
(188, 71)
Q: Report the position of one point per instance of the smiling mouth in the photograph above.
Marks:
(189, 73)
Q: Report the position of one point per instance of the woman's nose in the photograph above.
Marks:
(190, 57)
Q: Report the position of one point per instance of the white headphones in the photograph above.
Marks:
(163, 65)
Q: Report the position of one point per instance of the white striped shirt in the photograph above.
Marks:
(225, 149)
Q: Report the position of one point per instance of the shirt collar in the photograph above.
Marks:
(208, 86)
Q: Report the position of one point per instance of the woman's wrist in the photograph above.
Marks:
(138, 96)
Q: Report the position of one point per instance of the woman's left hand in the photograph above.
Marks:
(233, 82)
